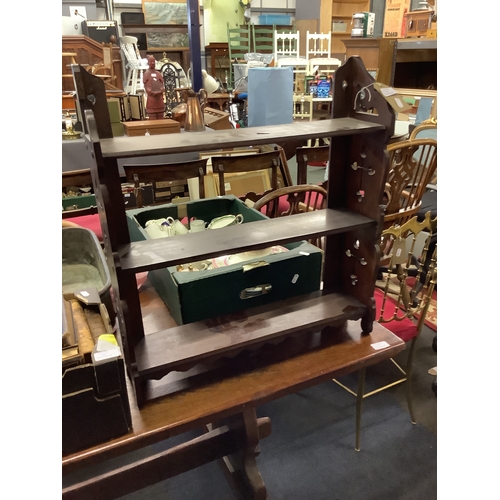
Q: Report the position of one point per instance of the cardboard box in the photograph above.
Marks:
(194, 296)
(95, 405)
(154, 127)
(394, 18)
(397, 101)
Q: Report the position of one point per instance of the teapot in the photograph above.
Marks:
(195, 103)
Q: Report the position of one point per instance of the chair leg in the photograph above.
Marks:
(409, 371)
(134, 82)
(359, 405)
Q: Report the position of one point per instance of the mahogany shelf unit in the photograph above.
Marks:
(351, 225)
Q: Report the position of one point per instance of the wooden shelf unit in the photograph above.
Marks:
(332, 10)
(351, 221)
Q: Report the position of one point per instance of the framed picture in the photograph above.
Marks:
(161, 12)
(373, 72)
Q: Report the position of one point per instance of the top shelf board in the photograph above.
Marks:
(127, 147)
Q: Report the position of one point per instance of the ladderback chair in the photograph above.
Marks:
(402, 297)
(239, 43)
(222, 165)
(263, 38)
(166, 172)
(293, 200)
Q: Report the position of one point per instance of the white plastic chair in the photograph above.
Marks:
(318, 45)
(135, 66)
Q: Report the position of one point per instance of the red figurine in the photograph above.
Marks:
(153, 84)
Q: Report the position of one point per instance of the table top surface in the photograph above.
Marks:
(185, 401)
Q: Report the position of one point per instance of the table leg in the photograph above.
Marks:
(239, 442)
(240, 467)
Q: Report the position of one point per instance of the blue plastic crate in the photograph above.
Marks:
(275, 19)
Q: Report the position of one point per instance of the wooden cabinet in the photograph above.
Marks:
(350, 224)
(377, 54)
(402, 63)
(334, 11)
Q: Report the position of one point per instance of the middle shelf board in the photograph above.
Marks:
(157, 253)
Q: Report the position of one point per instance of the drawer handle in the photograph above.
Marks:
(255, 291)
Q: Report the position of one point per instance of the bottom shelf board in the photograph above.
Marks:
(182, 347)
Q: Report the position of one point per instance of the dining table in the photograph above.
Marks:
(221, 402)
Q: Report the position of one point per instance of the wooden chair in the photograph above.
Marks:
(222, 165)
(412, 165)
(293, 200)
(286, 45)
(105, 69)
(263, 38)
(323, 66)
(318, 44)
(314, 156)
(402, 302)
(239, 43)
(427, 130)
(135, 65)
(302, 106)
(166, 172)
(299, 67)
